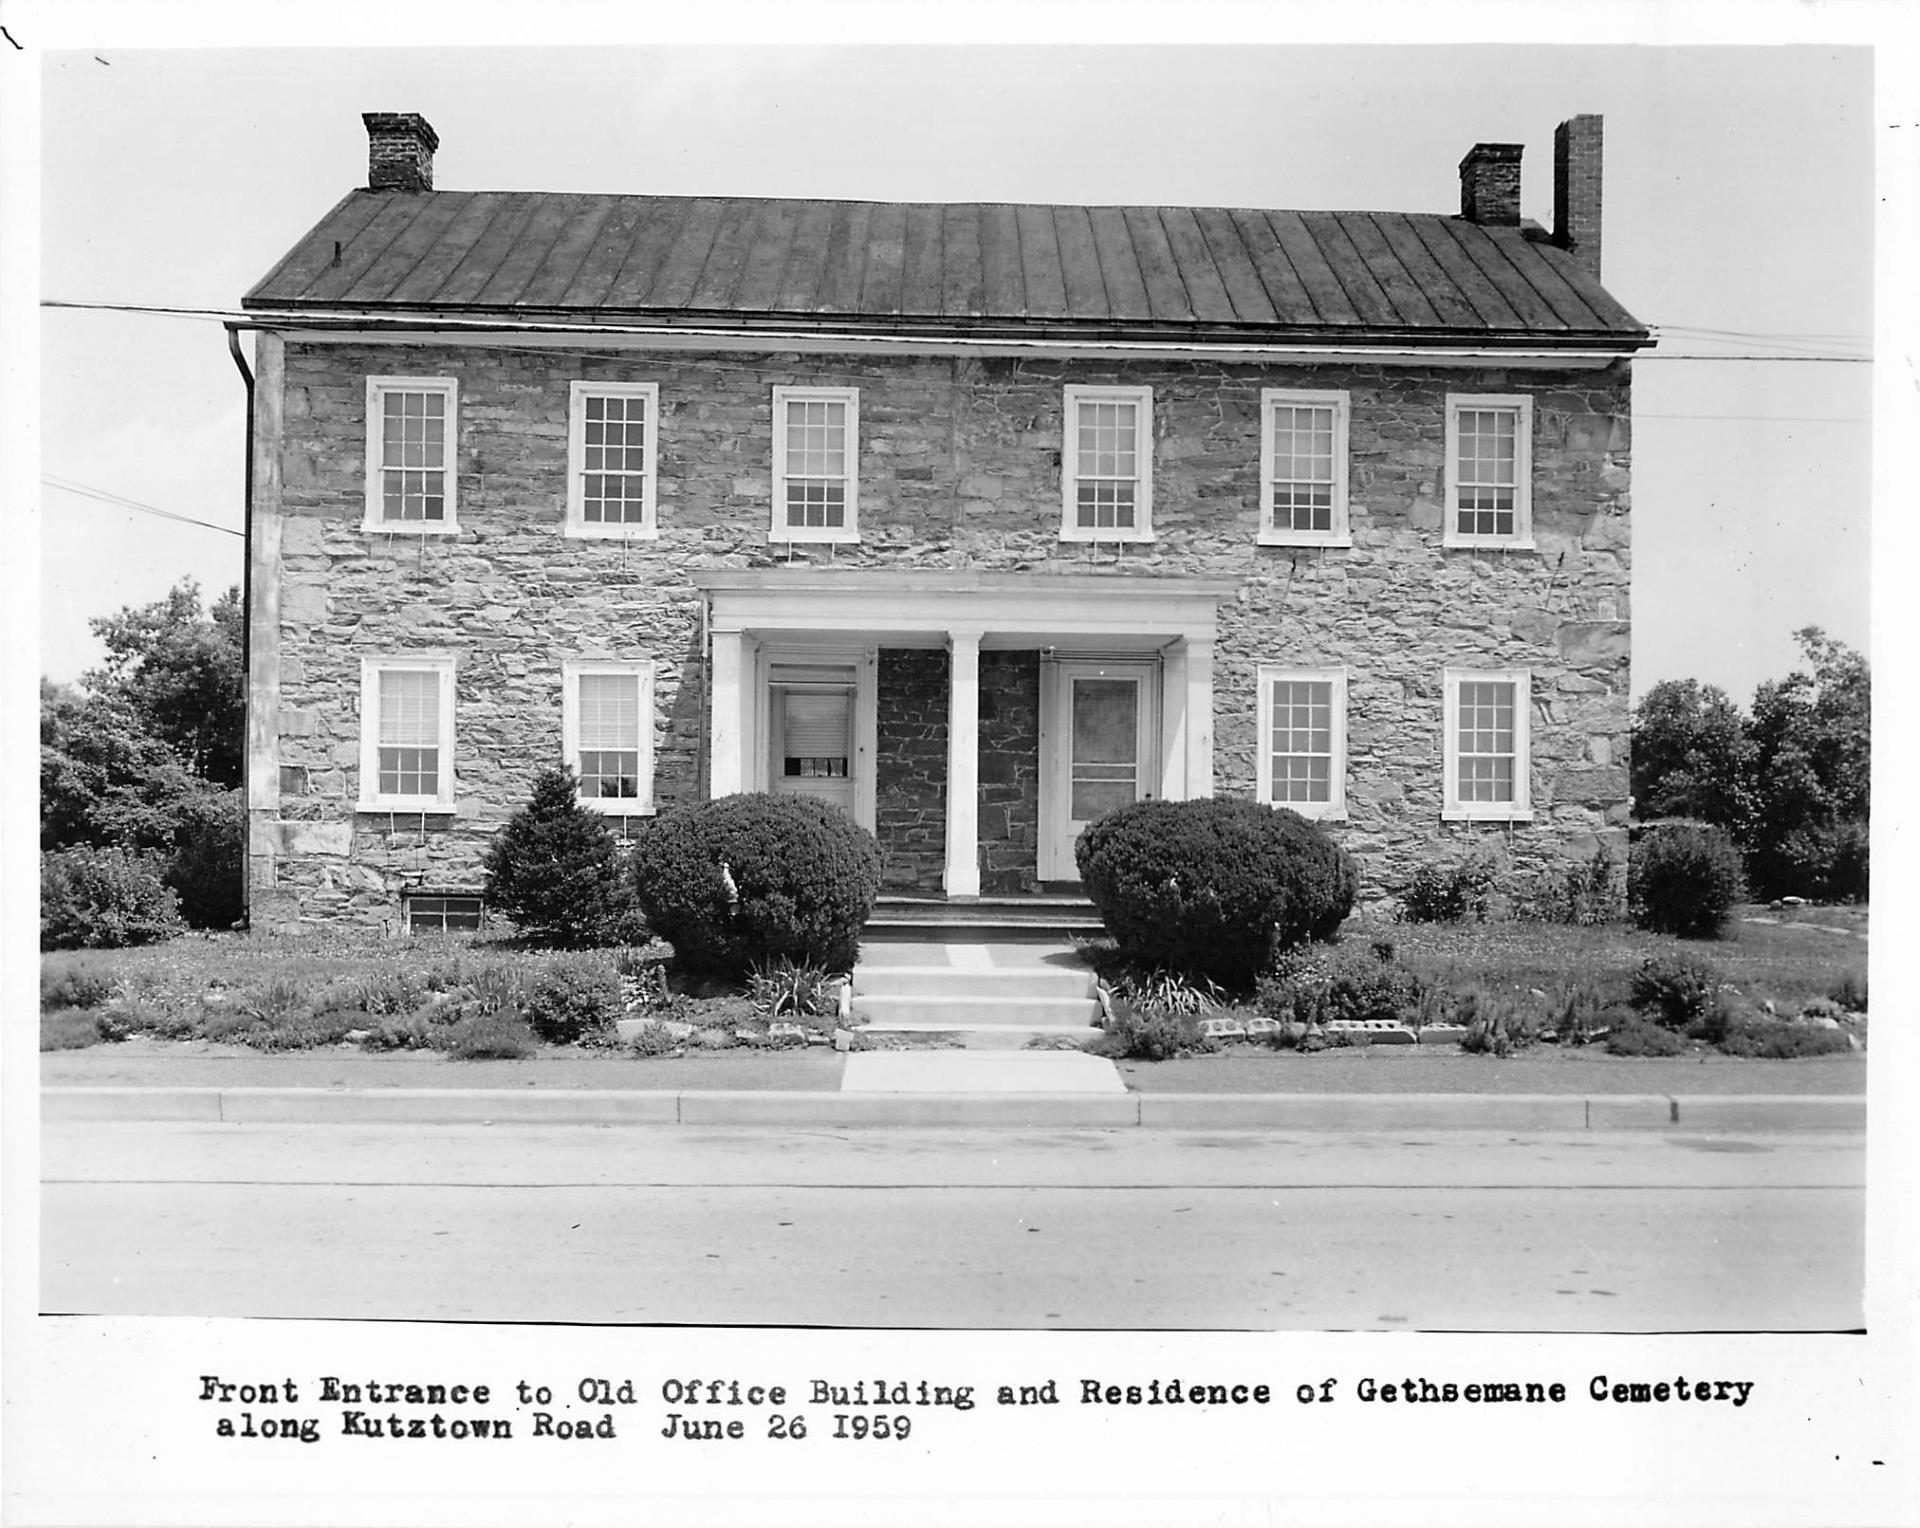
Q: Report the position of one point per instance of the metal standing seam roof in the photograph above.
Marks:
(946, 268)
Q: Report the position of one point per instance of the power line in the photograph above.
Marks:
(120, 501)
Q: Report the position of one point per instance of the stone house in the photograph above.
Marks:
(977, 520)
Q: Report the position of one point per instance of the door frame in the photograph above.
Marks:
(801, 661)
(1055, 847)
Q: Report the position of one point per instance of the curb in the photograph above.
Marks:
(1166, 1111)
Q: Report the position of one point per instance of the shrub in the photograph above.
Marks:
(209, 855)
(406, 1031)
(1684, 878)
(502, 1036)
(104, 898)
(792, 987)
(1317, 984)
(574, 1000)
(1214, 886)
(1824, 863)
(74, 982)
(1676, 990)
(1580, 895)
(69, 1029)
(1148, 1034)
(393, 991)
(1496, 1025)
(1850, 992)
(655, 1039)
(748, 879)
(1580, 1013)
(1635, 1036)
(1773, 1040)
(1449, 891)
(554, 870)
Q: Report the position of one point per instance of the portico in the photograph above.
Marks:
(1125, 693)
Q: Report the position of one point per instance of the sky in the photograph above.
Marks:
(1739, 221)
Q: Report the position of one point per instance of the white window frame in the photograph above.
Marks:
(1520, 809)
(1142, 527)
(1334, 808)
(641, 670)
(577, 522)
(778, 528)
(371, 668)
(1272, 533)
(377, 389)
(1522, 406)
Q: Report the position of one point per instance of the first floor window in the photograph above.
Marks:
(1303, 468)
(1489, 470)
(816, 445)
(1303, 740)
(412, 428)
(406, 742)
(611, 451)
(1106, 464)
(1487, 765)
(608, 721)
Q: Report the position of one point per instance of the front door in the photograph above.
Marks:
(811, 716)
(1098, 733)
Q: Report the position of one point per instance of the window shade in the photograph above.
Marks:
(609, 711)
(817, 723)
(409, 708)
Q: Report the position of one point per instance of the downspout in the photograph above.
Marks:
(246, 638)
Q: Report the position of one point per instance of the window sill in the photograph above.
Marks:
(581, 531)
(1312, 812)
(402, 807)
(1283, 538)
(1492, 813)
(1075, 533)
(618, 806)
(1488, 544)
(410, 527)
(806, 537)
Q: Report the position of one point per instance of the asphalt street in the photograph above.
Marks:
(1390, 1230)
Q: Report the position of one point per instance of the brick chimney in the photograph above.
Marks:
(1490, 185)
(1576, 190)
(400, 147)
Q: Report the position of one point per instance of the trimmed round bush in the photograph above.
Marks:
(103, 898)
(1214, 886)
(1684, 878)
(749, 879)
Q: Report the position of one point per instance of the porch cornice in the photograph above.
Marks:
(938, 581)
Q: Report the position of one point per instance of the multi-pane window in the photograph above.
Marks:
(608, 724)
(1303, 740)
(1303, 468)
(611, 452)
(406, 745)
(1489, 464)
(815, 464)
(411, 435)
(1107, 464)
(1486, 740)
(429, 914)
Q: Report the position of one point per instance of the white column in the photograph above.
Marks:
(963, 764)
(1199, 716)
(1173, 723)
(726, 752)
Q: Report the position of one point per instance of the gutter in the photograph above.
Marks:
(246, 632)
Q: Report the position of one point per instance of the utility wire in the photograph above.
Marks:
(120, 501)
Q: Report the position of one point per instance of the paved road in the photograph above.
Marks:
(1596, 1231)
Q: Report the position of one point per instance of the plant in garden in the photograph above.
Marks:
(574, 1000)
(1147, 1034)
(1581, 895)
(1674, 990)
(1316, 984)
(100, 898)
(73, 982)
(1213, 886)
(554, 869)
(1449, 891)
(655, 1039)
(1683, 878)
(1496, 1025)
(1634, 1035)
(488, 1037)
(748, 879)
(789, 987)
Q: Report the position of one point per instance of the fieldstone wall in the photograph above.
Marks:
(910, 772)
(959, 468)
(1009, 772)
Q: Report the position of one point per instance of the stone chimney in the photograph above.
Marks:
(400, 147)
(1490, 185)
(1576, 190)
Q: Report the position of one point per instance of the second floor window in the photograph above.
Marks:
(412, 430)
(611, 452)
(1303, 469)
(1106, 465)
(1489, 471)
(816, 447)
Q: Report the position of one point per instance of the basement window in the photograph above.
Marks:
(435, 913)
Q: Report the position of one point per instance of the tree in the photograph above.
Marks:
(1692, 756)
(148, 755)
(1812, 739)
(554, 869)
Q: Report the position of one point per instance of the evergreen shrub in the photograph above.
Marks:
(104, 898)
(751, 879)
(554, 870)
(1213, 886)
(1684, 878)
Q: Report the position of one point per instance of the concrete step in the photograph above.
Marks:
(953, 1010)
(876, 980)
(996, 918)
